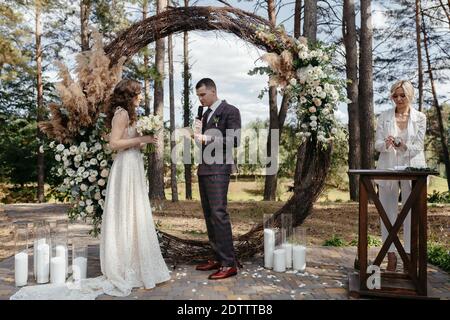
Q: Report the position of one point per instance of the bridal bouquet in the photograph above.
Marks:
(149, 125)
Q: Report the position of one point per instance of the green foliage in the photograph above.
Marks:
(288, 152)
(439, 197)
(335, 241)
(433, 145)
(13, 56)
(19, 194)
(337, 176)
(260, 71)
(18, 153)
(371, 242)
(110, 16)
(439, 256)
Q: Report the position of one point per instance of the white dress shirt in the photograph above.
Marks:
(213, 108)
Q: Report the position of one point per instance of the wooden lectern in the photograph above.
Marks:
(414, 283)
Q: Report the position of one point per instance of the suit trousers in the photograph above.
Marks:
(213, 194)
(389, 200)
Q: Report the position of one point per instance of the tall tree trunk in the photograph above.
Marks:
(270, 184)
(297, 18)
(310, 23)
(173, 165)
(40, 102)
(146, 66)
(419, 54)
(187, 107)
(147, 80)
(156, 171)
(85, 8)
(351, 56)
(436, 104)
(365, 89)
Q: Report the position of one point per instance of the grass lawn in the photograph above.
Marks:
(252, 190)
(332, 215)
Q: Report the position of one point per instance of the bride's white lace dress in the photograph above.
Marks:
(130, 254)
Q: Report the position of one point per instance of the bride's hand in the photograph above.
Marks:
(149, 139)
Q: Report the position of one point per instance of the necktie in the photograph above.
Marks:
(205, 119)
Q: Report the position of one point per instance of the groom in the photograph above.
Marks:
(218, 132)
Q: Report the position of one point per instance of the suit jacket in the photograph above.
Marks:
(414, 154)
(223, 132)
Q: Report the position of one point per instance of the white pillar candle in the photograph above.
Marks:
(62, 252)
(43, 263)
(299, 257)
(36, 244)
(79, 268)
(58, 270)
(21, 268)
(279, 260)
(288, 248)
(269, 247)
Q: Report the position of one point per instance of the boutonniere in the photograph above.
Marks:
(216, 120)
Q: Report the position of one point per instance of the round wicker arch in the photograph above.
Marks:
(312, 162)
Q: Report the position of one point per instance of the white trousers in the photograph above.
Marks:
(389, 200)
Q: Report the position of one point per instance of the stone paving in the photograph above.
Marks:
(326, 275)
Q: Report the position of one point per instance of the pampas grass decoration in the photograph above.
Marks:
(82, 100)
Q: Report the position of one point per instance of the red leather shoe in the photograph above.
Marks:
(222, 274)
(210, 265)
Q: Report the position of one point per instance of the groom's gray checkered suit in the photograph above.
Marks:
(214, 179)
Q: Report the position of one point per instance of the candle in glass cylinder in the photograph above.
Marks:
(36, 244)
(43, 263)
(269, 246)
(61, 251)
(279, 260)
(58, 270)
(79, 266)
(299, 257)
(21, 268)
(288, 248)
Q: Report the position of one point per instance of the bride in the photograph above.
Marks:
(130, 254)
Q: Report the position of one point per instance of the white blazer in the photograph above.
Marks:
(414, 155)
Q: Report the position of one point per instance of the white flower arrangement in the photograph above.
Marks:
(149, 125)
(305, 72)
(85, 168)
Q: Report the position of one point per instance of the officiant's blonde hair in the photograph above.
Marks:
(407, 87)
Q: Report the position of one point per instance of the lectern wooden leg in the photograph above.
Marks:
(422, 207)
(362, 239)
(415, 212)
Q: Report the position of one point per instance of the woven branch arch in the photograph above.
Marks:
(313, 162)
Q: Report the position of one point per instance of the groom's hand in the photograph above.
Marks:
(200, 138)
(198, 126)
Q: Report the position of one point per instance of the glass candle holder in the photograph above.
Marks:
(41, 249)
(58, 262)
(60, 230)
(79, 261)
(286, 227)
(21, 253)
(287, 237)
(299, 249)
(279, 254)
(269, 240)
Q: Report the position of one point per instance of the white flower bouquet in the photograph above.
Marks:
(149, 125)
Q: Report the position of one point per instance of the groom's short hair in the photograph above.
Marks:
(207, 82)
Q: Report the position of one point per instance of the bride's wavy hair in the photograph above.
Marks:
(123, 95)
